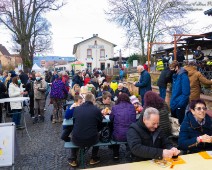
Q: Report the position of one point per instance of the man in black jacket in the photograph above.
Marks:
(121, 89)
(87, 122)
(164, 79)
(146, 140)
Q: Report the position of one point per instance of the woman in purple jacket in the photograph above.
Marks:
(122, 115)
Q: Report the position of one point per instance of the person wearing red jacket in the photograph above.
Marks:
(87, 79)
(65, 80)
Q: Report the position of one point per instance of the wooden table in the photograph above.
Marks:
(193, 162)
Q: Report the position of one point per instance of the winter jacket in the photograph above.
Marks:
(65, 80)
(189, 131)
(39, 89)
(144, 83)
(24, 78)
(122, 116)
(77, 80)
(123, 90)
(87, 121)
(165, 78)
(3, 89)
(87, 80)
(69, 112)
(58, 90)
(15, 91)
(102, 106)
(196, 78)
(144, 144)
(180, 90)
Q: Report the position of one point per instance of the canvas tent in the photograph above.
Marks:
(36, 68)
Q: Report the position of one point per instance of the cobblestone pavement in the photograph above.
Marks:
(45, 151)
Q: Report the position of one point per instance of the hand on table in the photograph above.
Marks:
(175, 151)
(168, 153)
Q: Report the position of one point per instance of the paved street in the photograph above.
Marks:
(46, 152)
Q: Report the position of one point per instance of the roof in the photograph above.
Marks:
(117, 58)
(3, 50)
(94, 36)
(208, 12)
(191, 42)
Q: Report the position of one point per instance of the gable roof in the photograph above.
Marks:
(3, 50)
(94, 36)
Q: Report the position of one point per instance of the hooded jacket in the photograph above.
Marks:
(144, 144)
(180, 90)
(196, 78)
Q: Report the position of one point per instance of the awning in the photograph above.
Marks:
(117, 58)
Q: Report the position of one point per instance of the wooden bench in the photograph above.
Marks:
(82, 151)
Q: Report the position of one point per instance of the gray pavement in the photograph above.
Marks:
(46, 152)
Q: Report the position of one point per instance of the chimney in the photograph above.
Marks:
(95, 35)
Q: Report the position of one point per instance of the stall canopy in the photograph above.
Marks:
(77, 63)
(36, 68)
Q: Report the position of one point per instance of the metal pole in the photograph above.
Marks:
(175, 48)
(148, 55)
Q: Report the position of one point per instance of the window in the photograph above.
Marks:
(102, 53)
(89, 66)
(89, 53)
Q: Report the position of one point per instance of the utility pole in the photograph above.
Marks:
(120, 59)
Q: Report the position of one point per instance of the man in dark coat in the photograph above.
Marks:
(23, 77)
(144, 82)
(121, 89)
(147, 141)
(77, 79)
(164, 79)
(87, 122)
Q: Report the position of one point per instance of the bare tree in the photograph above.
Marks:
(24, 18)
(145, 20)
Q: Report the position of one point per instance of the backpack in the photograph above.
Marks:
(105, 135)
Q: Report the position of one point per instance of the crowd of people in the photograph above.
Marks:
(94, 98)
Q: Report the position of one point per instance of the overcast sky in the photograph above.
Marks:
(80, 19)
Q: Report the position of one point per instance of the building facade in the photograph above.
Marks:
(94, 52)
(8, 61)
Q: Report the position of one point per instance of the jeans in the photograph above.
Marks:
(162, 91)
(85, 143)
(16, 116)
(66, 132)
(179, 113)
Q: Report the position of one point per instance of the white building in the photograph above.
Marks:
(94, 52)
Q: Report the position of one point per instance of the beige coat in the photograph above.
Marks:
(40, 89)
(15, 91)
(196, 78)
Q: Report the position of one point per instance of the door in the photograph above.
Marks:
(102, 66)
(89, 66)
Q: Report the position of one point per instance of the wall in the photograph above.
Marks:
(81, 53)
